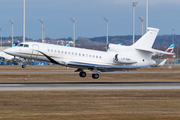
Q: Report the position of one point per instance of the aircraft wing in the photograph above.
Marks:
(161, 63)
(90, 65)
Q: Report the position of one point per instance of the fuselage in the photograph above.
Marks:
(127, 55)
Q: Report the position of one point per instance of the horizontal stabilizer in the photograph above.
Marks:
(159, 51)
(154, 51)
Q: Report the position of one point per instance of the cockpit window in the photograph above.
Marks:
(20, 45)
(26, 45)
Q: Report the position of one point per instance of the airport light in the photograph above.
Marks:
(106, 19)
(134, 5)
(141, 18)
(146, 15)
(11, 21)
(41, 20)
(173, 36)
(24, 21)
(1, 36)
(44, 33)
(73, 20)
(178, 50)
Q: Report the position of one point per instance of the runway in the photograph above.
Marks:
(150, 72)
(90, 86)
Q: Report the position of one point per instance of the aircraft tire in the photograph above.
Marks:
(82, 74)
(23, 66)
(95, 76)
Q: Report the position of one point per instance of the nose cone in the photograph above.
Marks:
(9, 51)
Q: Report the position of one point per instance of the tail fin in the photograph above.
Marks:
(170, 49)
(148, 39)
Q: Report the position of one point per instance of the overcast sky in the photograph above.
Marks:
(88, 14)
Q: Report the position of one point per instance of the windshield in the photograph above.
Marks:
(20, 45)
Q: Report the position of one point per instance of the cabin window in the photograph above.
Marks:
(89, 55)
(100, 57)
(72, 53)
(79, 54)
(20, 45)
(26, 45)
(75, 53)
(69, 53)
(96, 56)
(51, 50)
(86, 55)
(93, 56)
(55, 51)
(83, 55)
(48, 50)
(58, 51)
(62, 52)
(65, 52)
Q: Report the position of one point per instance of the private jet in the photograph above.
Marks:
(116, 58)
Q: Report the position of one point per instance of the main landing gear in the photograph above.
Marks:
(95, 76)
(82, 74)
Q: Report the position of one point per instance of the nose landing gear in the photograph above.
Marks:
(23, 66)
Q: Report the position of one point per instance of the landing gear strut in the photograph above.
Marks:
(23, 63)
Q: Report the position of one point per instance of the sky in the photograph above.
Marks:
(88, 14)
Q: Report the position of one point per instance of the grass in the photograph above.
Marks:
(7, 75)
(90, 105)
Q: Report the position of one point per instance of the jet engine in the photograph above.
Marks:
(124, 59)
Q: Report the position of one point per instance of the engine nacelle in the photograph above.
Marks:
(124, 59)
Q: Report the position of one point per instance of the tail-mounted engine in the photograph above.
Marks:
(124, 59)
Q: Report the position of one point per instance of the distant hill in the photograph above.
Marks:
(162, 40)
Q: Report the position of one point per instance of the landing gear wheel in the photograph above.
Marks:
(23, 66)
(82, 74)
(95, 76)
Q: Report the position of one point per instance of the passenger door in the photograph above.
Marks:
(35, 51)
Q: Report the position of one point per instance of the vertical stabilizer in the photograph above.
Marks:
(148, 39)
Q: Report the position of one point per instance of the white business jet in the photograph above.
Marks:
(116, 58)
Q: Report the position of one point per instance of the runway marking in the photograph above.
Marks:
(90, 86)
